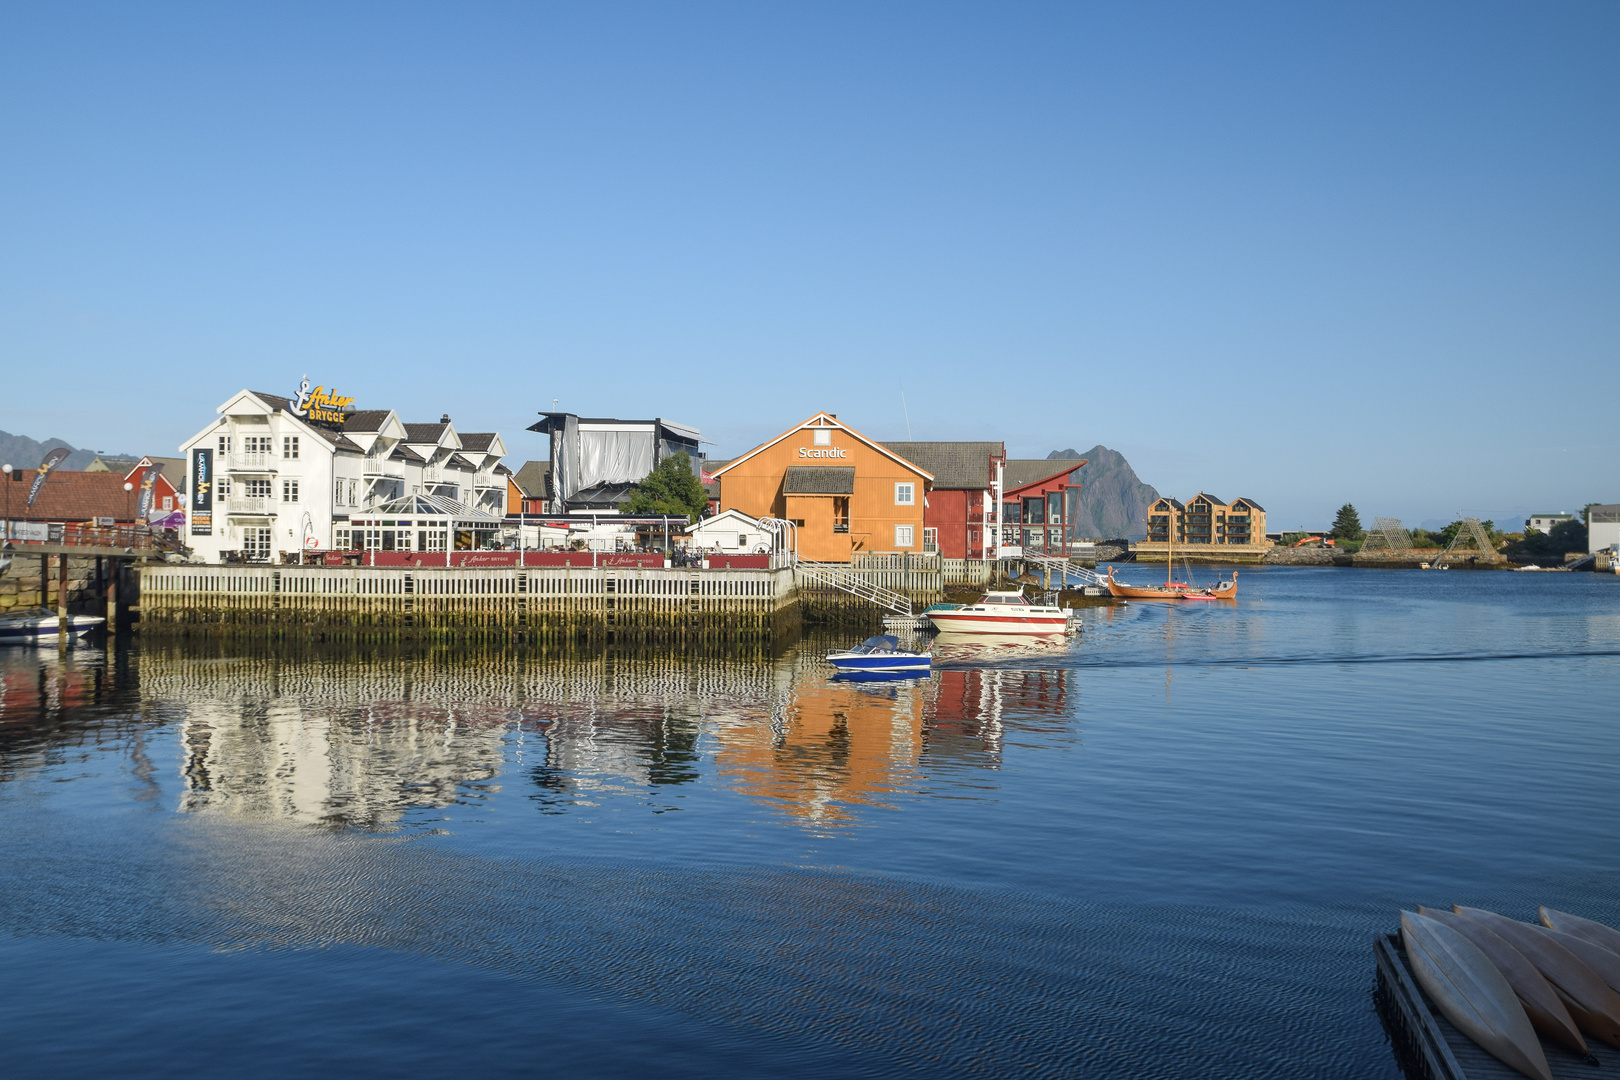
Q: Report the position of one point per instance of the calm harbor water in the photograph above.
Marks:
(1161, 850)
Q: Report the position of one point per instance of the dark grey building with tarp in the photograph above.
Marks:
(596, 461)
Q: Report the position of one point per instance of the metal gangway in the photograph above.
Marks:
(841, 577)
(1059, 567)
(785, 542)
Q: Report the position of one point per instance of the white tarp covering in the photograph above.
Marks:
(618, 456)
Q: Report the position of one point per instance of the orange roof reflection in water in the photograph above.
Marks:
(840, 744)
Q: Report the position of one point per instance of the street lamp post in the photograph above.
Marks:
(5, 478)
(129, 502)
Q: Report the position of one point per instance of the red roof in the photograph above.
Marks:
(70, 496)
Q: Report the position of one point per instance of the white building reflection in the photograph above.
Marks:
(366, 742)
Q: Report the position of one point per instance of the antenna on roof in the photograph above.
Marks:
(908, 415)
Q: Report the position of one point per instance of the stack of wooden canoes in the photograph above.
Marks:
(1503, 983)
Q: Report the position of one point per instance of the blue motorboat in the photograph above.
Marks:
(881, 654)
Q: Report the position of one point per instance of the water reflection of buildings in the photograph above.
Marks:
(367, 742)
(838, 744)
(363, 743)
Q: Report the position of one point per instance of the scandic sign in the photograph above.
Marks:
(833, 452)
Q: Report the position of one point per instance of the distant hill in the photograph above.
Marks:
(21, 452)
(1113, 502)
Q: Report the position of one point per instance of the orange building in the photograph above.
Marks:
(845, 492)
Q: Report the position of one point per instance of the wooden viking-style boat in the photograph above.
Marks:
(1172, 590)
(1472, 993)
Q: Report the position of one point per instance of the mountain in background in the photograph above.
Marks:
(1113, 502)
(21, 452)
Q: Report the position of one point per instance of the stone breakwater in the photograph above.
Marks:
(1387, 560)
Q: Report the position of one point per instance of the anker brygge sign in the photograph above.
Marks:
(832, 451)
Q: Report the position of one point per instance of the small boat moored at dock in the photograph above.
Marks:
(28, 627)
(1000, 613)
(880, 655)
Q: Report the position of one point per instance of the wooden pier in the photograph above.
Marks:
(550, 603)
(1427, 1044)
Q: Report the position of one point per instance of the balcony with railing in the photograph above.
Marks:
(375, 465)
(488, 478)
(253, 462)
(250, 506)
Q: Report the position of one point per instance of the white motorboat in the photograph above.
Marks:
(27, 627)
(1000, 613)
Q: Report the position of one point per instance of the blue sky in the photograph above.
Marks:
(1303, 253)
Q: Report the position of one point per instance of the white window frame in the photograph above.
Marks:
(742, 540)
(259, 489)
(289, 490)
(289, 447)
(930, 539)
(352, 498)
(822, 437)
(256, 542)
(340, 540)
(905, 494)
(225, 445)
(337, 492)
(905, 536)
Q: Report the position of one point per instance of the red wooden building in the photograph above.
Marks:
(959, 498)
(1040, 502)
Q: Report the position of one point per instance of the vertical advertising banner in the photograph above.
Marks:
(52, 460)
(143, 509)
(202, 491)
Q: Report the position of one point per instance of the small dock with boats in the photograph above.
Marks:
(1468, 994)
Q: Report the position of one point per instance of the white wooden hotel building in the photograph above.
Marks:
(275, 475)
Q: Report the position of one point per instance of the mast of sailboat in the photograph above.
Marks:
(1170, 544)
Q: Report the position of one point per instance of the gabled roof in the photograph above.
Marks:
(425, 433)
(275, 401)
(824, 420)
(534, 479)
(955, 465)
(344, 444)
(171, 469)
(1252, 503)
(403, 452)
(1021, 473)
(1214, 500)
(478, 442)
(76, 496)
(456, 461)
(1167, 499)
(732, 514)
(819, 480)
(366, 420)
